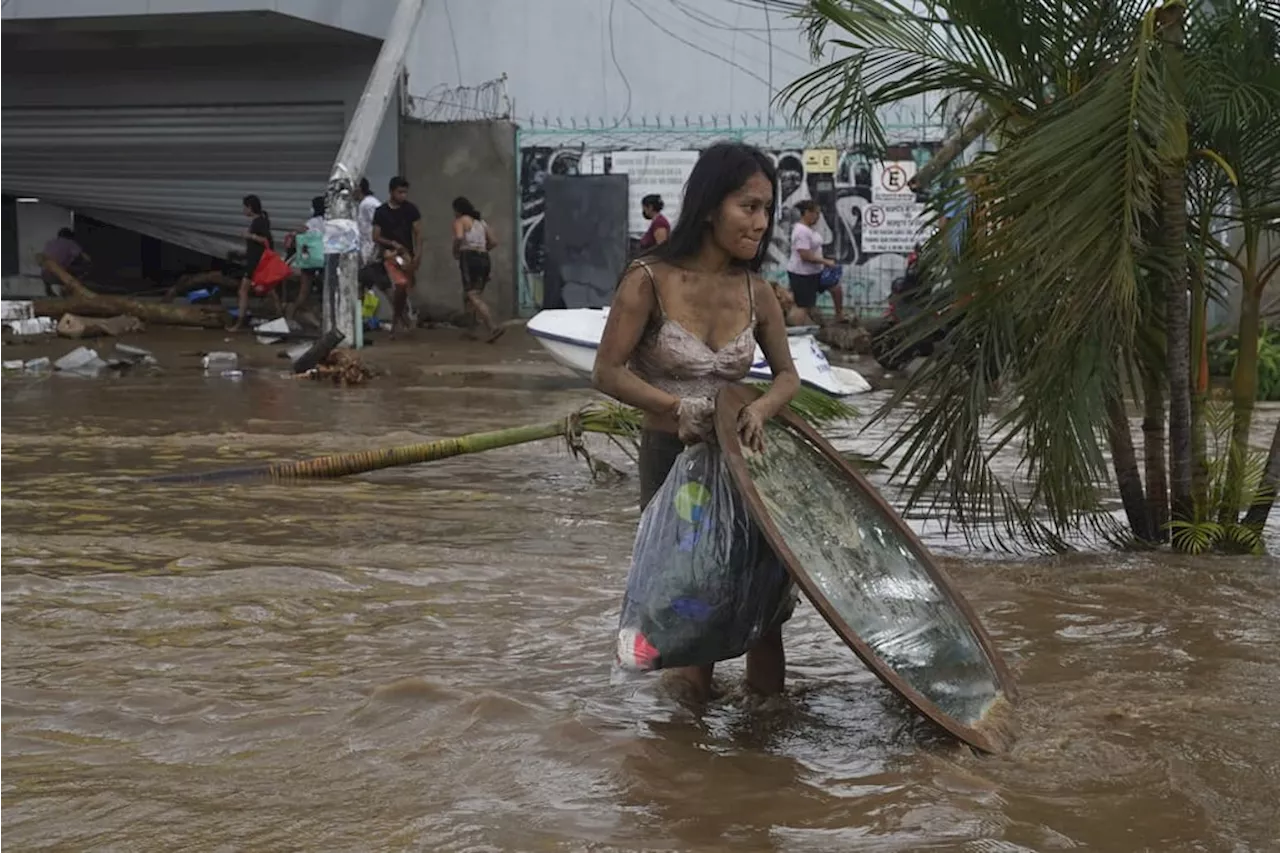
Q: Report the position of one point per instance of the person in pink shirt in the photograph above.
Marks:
(804, 268)
(66, 253)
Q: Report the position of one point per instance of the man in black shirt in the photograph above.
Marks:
(397, 231)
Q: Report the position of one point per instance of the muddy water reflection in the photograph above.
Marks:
(419, 660)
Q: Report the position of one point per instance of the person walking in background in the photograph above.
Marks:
(659, 228)
(66, 253)
(805, 266)
(369, 205)
(257, 240)
(397, 233)
(472, 241)
(308, 255)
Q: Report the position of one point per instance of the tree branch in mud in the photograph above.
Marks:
(82, 300)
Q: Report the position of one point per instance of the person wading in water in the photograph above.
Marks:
(684, 324)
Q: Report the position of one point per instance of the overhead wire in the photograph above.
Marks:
(696, 47)
(613, 53)
(457, 59)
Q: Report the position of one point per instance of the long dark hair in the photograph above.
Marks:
(255, 206)
(721, 170)
(462, 206)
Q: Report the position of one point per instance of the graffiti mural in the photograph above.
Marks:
(843, 197)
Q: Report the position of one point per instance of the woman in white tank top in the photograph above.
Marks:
(472, 242)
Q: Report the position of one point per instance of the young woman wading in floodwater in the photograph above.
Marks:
(684, 324)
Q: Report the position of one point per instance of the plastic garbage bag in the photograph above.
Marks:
(703, 585)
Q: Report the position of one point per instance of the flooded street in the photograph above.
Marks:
(419, 659)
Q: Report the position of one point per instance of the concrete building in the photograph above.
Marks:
(159, 116)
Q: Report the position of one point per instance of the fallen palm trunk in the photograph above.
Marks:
(360, 462)
(609, 419)
(81, 300)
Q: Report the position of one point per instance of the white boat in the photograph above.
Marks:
(572, 336)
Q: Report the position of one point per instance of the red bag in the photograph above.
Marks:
(396, 273)
(270, 271)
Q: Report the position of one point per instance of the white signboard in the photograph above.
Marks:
(892, 228)
(650, 172)
(893, 222)
(889, 182)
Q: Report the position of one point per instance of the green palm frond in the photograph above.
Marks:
(610, 418)
(1047, 289)
(1008, 57)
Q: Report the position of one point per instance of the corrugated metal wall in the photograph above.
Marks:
(176, 172)
(166, 141)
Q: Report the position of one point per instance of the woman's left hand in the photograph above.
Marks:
(751, 427)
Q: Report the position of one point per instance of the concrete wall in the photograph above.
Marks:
(472, 159)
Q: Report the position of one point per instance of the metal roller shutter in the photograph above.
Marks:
(174, 172)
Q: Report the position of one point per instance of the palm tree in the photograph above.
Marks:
(1070, 287)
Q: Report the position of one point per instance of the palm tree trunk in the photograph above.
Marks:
(1125, 463)
(951, 148)
(1173, 236)
(1257, 515)
(1244, 393)
(359, 462)
(1200, 391)
(1153, 455)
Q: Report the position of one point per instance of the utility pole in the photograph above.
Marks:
(342, 234)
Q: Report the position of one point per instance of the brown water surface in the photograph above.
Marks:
(419, 659)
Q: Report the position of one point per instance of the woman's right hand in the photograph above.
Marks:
(695, 419)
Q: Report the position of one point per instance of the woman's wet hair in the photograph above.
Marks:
(317, 206)
(722, 170)
(652, 201)
(462, 206)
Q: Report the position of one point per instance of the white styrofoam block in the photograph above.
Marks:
(17, 309)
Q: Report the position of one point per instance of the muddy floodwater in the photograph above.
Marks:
(419, 659)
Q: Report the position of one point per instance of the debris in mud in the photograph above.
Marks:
(18, 316)
(30, 327)
(344, 367)
(81, 361)
(35, 365)
(75, 326)
(16, 309)
(219, 360)
(125, 356)
(855, 339)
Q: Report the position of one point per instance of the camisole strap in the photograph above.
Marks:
(653, 282)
